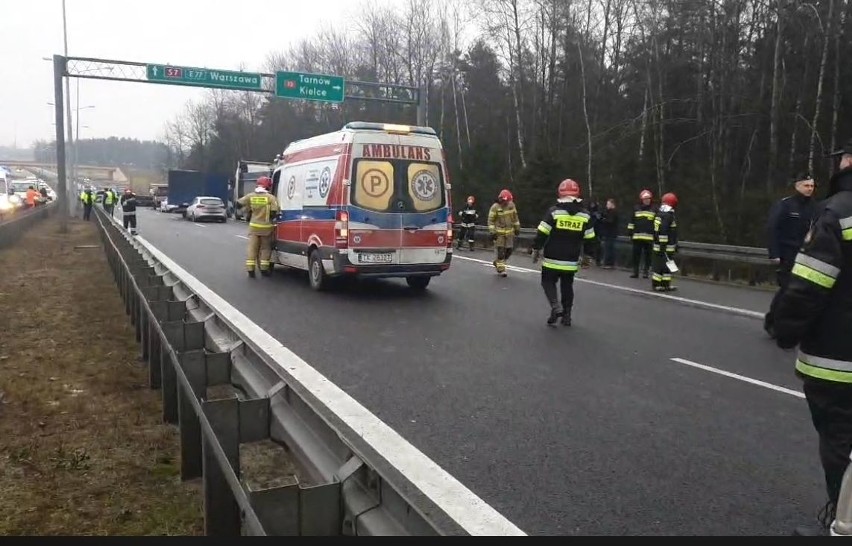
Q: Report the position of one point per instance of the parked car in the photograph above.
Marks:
(206, 208)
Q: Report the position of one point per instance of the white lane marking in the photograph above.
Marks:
(196, 224)
(758, 382)
(242, 237)
(471, 512)
(687, 301)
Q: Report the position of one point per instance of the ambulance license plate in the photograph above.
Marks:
(375, 258)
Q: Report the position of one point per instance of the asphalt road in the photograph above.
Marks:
(590, 430)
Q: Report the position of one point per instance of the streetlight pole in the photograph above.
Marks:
(68, 107)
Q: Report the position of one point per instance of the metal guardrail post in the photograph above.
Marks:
(221, 511)
(156, 295)
(194, 368)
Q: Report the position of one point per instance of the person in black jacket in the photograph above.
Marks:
(815, 313)
(128, 210)
(560, 238)
(789, 221)
(607, 231)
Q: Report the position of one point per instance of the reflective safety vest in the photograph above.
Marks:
(109, 198)
(561, 235)
(641, 226)
(263, 207)
(503, 219)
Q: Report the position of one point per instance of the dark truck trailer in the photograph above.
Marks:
(184, 186)
(245, 180)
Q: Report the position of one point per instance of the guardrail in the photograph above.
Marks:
(13, 226)
(718, 262)
(352, 474)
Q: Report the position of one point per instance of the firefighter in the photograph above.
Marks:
(815, 312)
(641, 233)
(467, 223)
(263, 208)
(128, 210)
(665, 243)
(559, 243)
(503, 225)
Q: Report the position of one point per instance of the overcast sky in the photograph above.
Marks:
(204, 33)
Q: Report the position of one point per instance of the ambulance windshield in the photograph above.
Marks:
(398, 185)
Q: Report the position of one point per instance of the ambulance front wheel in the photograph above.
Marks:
(418, 283)
(316, 272)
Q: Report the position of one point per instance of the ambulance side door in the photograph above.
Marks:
(289, 240)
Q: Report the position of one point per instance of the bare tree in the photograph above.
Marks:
(826, 28)
(838, 38)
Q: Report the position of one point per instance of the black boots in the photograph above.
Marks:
(557, 313)
(821, 527)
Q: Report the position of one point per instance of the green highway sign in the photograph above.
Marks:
(300, 85)
(204, 77)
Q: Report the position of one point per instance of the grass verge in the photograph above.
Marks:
(83, 450)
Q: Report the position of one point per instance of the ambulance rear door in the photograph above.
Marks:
(375, 219)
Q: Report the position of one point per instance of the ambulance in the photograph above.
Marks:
(371, 201)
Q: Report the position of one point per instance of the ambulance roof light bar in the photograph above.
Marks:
(389, 128)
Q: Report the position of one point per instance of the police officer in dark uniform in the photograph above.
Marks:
(815, 313)
(561, 234)
(789, 221)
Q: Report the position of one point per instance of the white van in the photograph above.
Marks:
(370, 200)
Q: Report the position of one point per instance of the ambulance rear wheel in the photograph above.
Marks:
(418, 283)
(316, 273)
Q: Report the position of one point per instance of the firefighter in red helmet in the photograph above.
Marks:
(263, 208)
(559, 241)
(640, 229)
(467, 223)
(503, 225)
(665, 244)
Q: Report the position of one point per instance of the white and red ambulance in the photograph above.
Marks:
(370, 200)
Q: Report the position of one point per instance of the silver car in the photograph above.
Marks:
(206, 208)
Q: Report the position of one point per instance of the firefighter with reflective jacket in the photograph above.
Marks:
(815, 313)
(128, 210)
(467, 223)
(640, 229)
(665, 243)
(263, 208)
(559, 243)
(503, 225)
